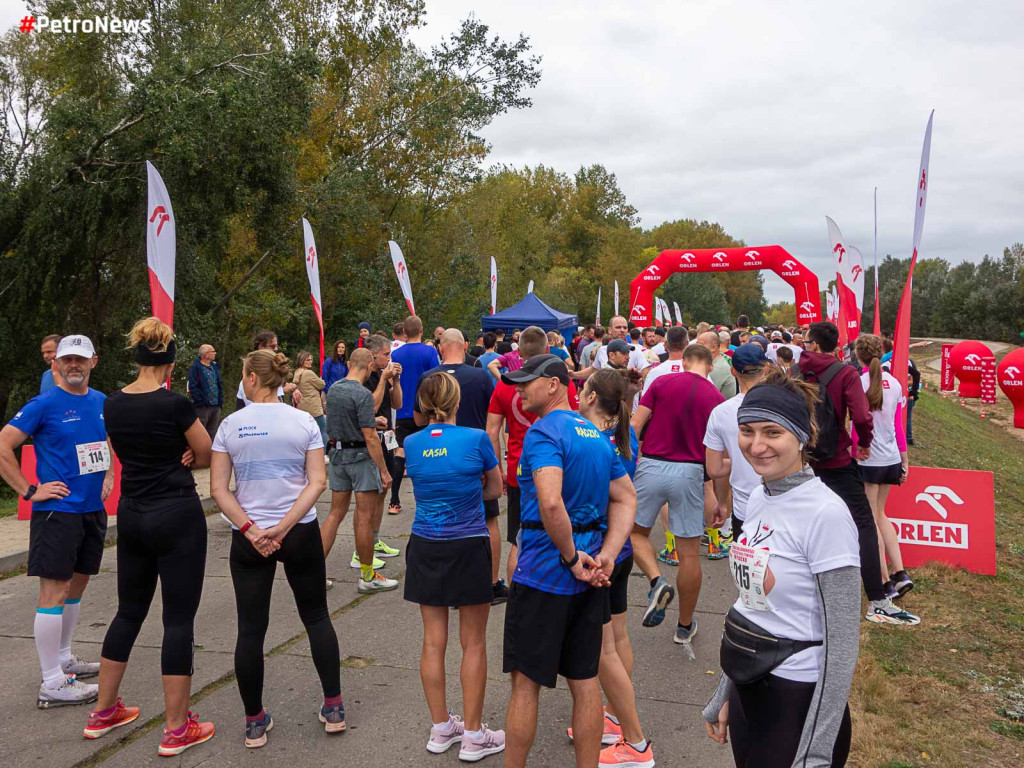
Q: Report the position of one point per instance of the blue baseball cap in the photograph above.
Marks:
(748, 355)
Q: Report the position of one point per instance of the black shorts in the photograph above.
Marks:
(451, 572)
(404, 428)
(512, 534)
(548, 635)
(61, 544)
(491, 509)
(882, 475)
(618, 592)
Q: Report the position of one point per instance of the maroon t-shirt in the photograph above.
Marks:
(680, 406)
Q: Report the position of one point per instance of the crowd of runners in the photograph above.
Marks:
(767, 446)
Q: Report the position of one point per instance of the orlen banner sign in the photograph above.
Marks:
(945, 515)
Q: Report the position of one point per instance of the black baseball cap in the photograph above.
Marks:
(538, 367)
(618, 345)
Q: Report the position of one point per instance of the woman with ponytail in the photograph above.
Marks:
(604, 402)
(277, 456)
(888, 463)
(448, 561)
(161, 535)
(792, 637)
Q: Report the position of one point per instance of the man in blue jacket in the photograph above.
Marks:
(207, 388)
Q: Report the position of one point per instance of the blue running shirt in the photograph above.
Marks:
(630, 467)
(59, 423)
(446, 464)
(415, 359)
(566, 440)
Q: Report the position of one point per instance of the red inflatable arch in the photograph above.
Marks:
(773, 257)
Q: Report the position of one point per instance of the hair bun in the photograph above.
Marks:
(281, 364)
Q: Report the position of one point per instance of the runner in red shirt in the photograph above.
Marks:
(506, 409)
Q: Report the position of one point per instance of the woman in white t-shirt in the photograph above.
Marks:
(791, 639)
(888, 464)
(277, 455)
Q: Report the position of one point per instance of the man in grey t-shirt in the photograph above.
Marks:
(587, 356)
(357, 464)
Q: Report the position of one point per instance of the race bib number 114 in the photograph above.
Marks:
(93, 457)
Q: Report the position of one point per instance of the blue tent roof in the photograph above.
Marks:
(529, 311)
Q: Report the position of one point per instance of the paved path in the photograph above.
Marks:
(380, 637)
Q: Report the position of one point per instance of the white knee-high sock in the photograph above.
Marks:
(69, 620)
(47, 631)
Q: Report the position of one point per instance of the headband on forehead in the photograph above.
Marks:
(145, 356)
(769, 402)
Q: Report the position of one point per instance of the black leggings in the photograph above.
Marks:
(846, 483)
(165, 539)
(766, 719)
(253, 577)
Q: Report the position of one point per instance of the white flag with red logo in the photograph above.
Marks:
(849, 275)
(402, 270)
(597, 319)
(529, 288)
(901, 339)
(160, 247)
(657, 311)
(666, 313)
(313, 273)
(494, 286)
(679, 315)
(616, 297)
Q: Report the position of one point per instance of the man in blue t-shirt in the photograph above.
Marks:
(578, 507)
(49, 350)
(490, 342)
(416, 358)
(69, 524)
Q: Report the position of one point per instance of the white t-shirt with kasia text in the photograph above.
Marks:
(267, 443)
(805, 531)
(884, 450)
(241, 394)
(723, 434)
(637, 359)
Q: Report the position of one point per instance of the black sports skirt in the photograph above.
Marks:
(881, 475)
(448, 573)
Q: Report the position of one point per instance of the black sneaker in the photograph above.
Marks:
(901, 583)
(256, 731)
(499, 592)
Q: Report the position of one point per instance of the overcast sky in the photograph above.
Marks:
(766, 117)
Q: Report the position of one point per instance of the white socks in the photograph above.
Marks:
(70, 620)
(48, 627)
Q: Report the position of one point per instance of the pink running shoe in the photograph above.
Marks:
(442, 738)
(100, 726)
(612, 732)
(490, 743)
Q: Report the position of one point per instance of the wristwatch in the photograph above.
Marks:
(30, 492)
(570, 563)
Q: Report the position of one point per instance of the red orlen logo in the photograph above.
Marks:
(840, 250)
(311, 258)
(807, 306)
(494, 279)
(161, 212)
(857, 271)
(923, 186)
(400, 268)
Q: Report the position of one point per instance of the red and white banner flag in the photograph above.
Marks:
(160, 247)
(403, 274)
(657, 311)
(313, 273)
(877, 327)
(831, 306)
(597, 318)
(666, 313)
(901, 339)
(529, 288)
(616, 297)
(849, 283)
(679, 315)
(494, 286)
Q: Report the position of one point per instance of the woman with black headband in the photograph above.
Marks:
(791, 639)
(161, 534)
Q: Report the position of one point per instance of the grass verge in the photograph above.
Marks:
(950, 692)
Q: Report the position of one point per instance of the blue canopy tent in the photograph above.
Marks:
(531, 311)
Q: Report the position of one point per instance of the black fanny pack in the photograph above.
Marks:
(750, 652)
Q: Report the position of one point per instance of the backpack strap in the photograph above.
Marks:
(830, 373)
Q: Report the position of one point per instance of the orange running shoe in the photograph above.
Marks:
(192, 733)
(100, 725)
(612, 731)
(622, 754)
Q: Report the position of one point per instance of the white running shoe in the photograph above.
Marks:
(80, 668)
(69, 693)
(887, 612)
(378, 584)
